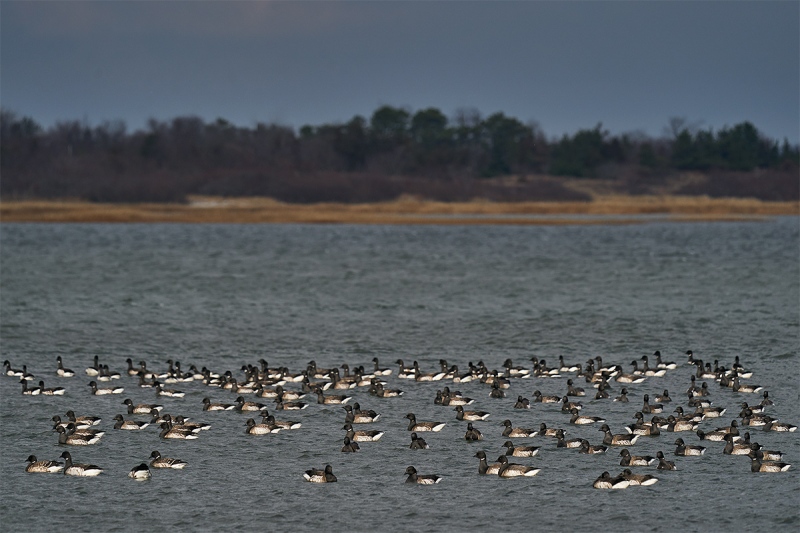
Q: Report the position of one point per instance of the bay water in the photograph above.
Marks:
(224, 296)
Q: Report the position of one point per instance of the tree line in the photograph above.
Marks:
(393, 152)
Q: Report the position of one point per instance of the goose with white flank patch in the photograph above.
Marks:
(166, 462)
(73, 439)
(773, 425)
(43, 467)
(104, 391)
(414, 425)
(61, 371)
(738, 387)
(362, 436)
(142, 408)
(140, 472)
(508, 470)
(520, 451)
(133, 425)
(420, 479)
(513, 433)
(208, 405)
(29, 391)
(605, 481)
(169, 432)
(320, 476)
(473, 416)
(580, 419)
(686, 450)
(539, 398)
(634, 460)
(758, 465)
(610, 439)
(79, 469)
(591, 449)
(170, 393)
(485, 468)
(638, 479)
(259, 429)
(12, 372)
(565, 443)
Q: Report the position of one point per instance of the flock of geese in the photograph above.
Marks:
(290, 391)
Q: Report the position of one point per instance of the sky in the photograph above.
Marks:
(565, 65)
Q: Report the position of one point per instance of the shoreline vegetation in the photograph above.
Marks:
(602, 209)
(396, 167)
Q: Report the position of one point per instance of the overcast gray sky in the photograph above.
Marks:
(566, 65)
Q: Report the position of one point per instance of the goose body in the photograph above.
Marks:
(664, 397)
(140, 472)
(756, 465)
(362, 436)
(169, 432)
(485, 468)
(545, 431)
(283, 424)
(571, 443)
(635, 460)
(76, 439)
(605, 481)
(647, 408)
(418, 443)
(414, 477)
(461, 414)
(520, 451)
(413, 425)
(242, 405)
(142, 408)
(79, 469)
(332, 399)
(29, 391)
(166, 462)
(61, 371)
(539, 398)
(171, 393)
(94, 370)
(472, 434)
(259, 429)
(579, 419)
(12, 372)
(349, 446)
(685, 450)
(738, 387)
(512, 432)
(104, 391)
(663, 464)
(43, 467)
(121, 423)
(508, 470)
(591, 449)
(360, 417)
(619, 439)
(380, 371)
(638, 479)
(208, 405)
(734, 448)
(772, 425)
(320, 476)
(91, 420)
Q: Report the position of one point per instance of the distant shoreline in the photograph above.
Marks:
(203, 209)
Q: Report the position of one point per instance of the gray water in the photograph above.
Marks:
(223, 296)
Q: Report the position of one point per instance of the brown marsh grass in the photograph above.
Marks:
(406, 210)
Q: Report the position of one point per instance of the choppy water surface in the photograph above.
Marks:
(223, 296)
